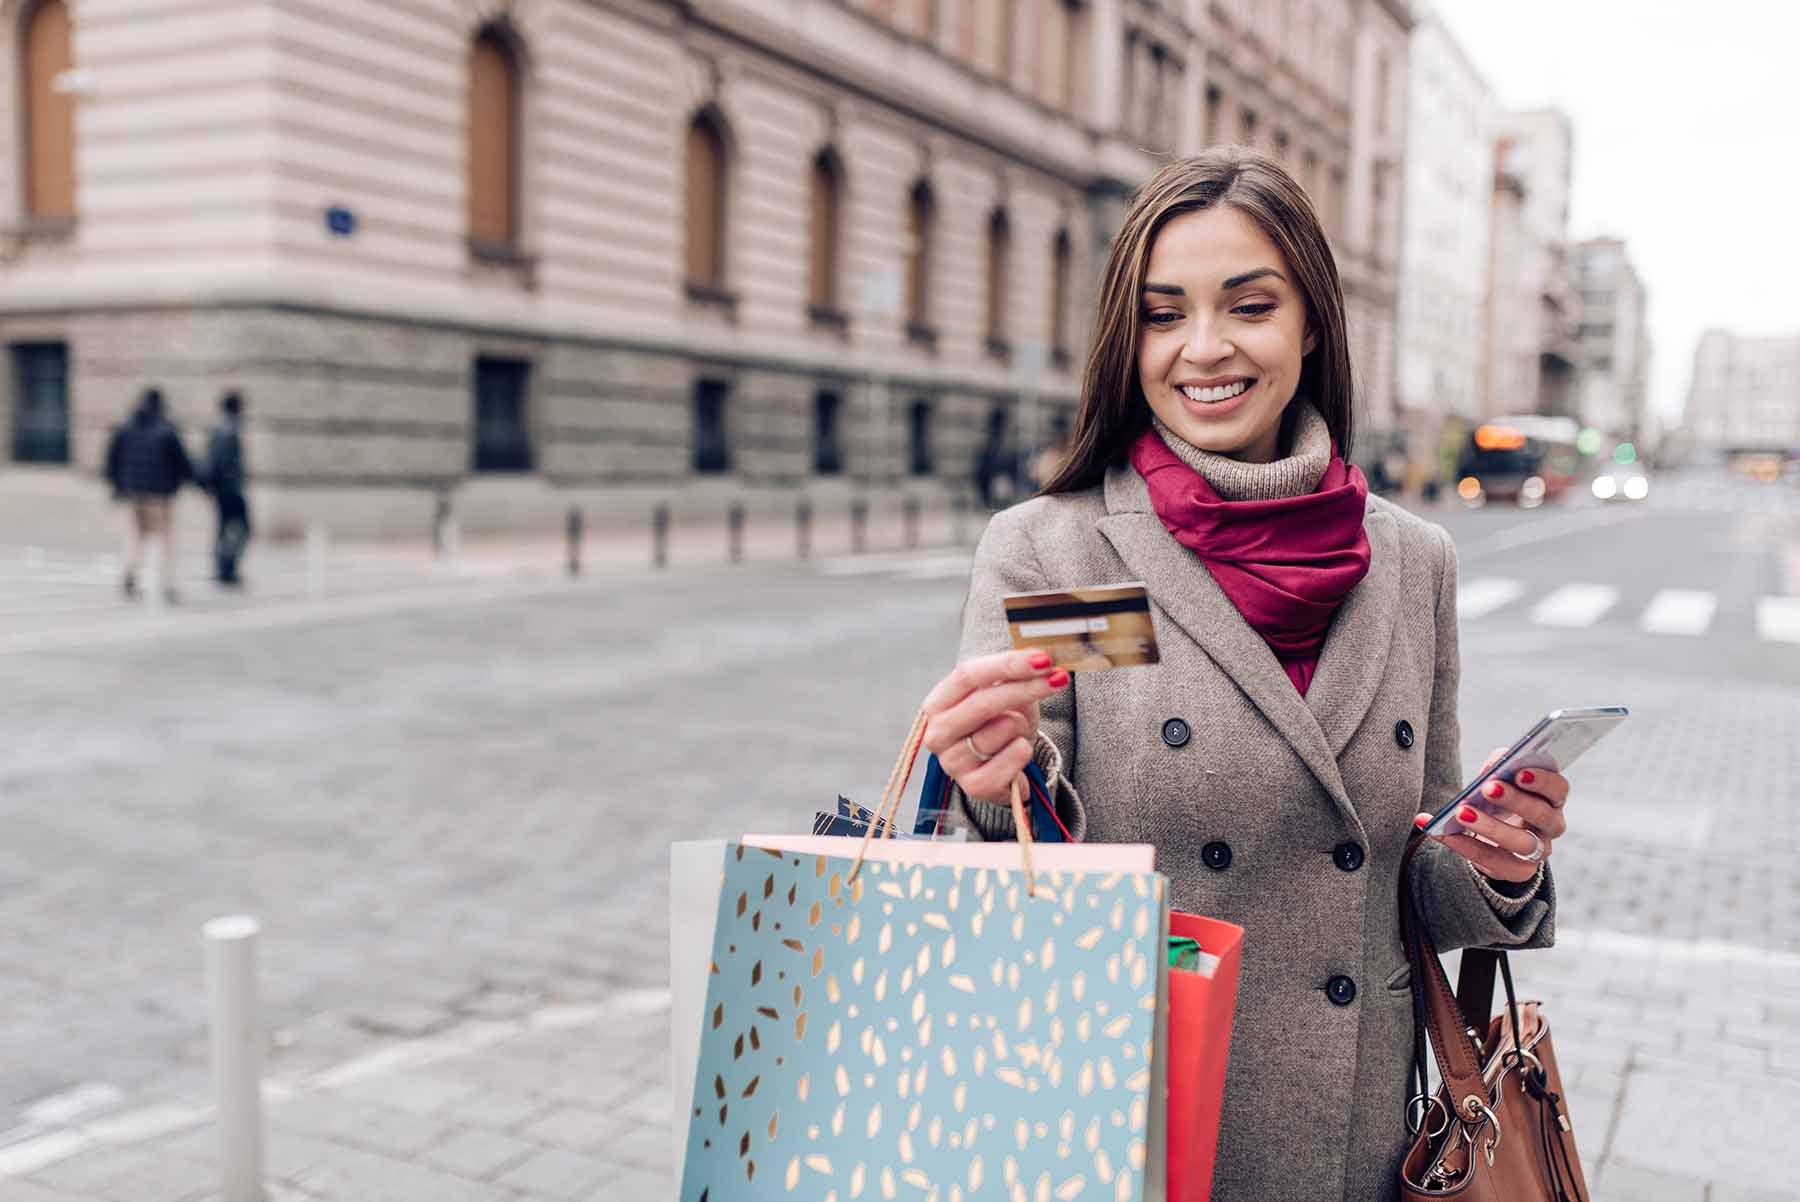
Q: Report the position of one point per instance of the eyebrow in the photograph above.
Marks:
(1236, 281)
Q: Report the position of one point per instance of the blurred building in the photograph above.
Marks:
(1745, 395)
(529, 253)
(1613, 340)
(1450, 131)
(1530, 353)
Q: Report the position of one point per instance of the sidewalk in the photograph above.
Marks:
(1677, 1084)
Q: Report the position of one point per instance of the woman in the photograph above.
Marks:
(1304, 711)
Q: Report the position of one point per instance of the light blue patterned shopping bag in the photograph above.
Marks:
(927, 1030)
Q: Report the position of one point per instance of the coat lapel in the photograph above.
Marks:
(1196, 603)
(1356, 647)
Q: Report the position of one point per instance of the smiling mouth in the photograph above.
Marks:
(1211, 396)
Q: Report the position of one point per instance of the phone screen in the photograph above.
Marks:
(1558, 740)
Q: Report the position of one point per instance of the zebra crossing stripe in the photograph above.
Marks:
(1778, 619)
(1575, 605)
(1481, 597)
(1680, 611)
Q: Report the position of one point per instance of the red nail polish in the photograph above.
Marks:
(1527, 776)
(1421, 820)
(1494, 789)
(1041, 660)
(1058, 679)
(1466, 814)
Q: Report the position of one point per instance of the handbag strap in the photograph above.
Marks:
(1457, 1054)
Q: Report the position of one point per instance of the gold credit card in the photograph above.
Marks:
(1085, 629)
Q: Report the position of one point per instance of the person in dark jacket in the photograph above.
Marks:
(146, 466)
(225, 480)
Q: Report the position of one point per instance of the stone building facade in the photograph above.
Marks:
(1530, 354)
(1450, 131)
(522, 254)
(1613, 339)
(1745, 394)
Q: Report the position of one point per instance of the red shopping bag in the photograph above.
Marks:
(1200, 1009)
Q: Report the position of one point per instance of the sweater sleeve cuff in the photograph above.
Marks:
(994, 823)
(1508, 898)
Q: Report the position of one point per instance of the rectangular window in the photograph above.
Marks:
(828, 443)
(1248, 137)
(1214, 99)
(502, 433)
(712, 444)
(40, 404)
(919, 459)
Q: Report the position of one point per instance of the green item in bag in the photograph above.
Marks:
(1184, 954)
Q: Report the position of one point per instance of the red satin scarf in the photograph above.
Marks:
(1286, 564)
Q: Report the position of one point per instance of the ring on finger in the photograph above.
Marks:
(980, 756)
(1537, 849)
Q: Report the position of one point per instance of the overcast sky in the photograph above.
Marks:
(1687, 145)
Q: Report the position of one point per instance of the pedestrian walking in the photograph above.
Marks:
(224, 478)
(146, 465)
(1304, 711)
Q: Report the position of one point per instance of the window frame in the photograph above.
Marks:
(20, 378)
(999, 269)
(711, 285)
(710, 457)
(492, 460)
(36, 220)
(921, 228)
(825, 241)
(506, 245)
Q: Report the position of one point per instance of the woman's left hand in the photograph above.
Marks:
(1516, 841)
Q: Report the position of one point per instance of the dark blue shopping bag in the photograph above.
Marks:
(935, 800)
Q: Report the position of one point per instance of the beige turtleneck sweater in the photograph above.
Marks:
(1294, 475)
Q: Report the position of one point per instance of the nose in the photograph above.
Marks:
(1205, 345)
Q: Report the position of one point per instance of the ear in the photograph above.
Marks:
(1311, 341)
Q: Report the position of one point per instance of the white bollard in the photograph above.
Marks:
(236, 1055)
(318, 541)
(452, 540)
(156, 571)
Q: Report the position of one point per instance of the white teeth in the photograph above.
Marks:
(1224, 393)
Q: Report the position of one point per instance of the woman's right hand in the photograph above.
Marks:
(990, 701)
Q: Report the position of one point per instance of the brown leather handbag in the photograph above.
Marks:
(1497, 1129)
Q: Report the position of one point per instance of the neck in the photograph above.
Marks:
(1296, 470)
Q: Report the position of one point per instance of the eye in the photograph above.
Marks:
(1161, 317)
(1253, 310)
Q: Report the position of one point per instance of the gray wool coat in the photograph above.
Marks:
(1315, 1090)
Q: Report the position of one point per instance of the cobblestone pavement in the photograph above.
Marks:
(453, 822)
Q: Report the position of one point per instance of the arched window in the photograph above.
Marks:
(826, 234)
(49, 117)
(494, 130)
(706, 166)
(921, 217)
(999, 246)
(1061, 258)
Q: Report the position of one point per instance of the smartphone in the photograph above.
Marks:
(1557, 741)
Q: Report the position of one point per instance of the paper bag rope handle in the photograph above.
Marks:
(889, 808)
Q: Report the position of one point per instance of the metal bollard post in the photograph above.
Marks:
(236, 1055)
(734, 531)
(440, 523)
(909, 509)
(318, 538)
(958, 507)
(659, 536)
(574, 533)
(803, 529)
(859, 518)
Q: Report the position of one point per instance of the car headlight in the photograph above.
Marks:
(1533, 488)
(1605, 487)
(1637, 488)
(1468, 488)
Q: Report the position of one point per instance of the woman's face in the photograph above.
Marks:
(1222, 335)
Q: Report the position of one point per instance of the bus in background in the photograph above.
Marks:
(1527, 459)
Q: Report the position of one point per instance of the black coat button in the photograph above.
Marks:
(1176, 733)
(1348, 856)
(1403, 733)
(1216, 856)
(1341, 990)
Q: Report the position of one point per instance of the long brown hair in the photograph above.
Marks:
(1113, 409)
